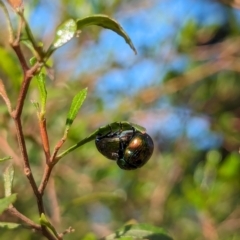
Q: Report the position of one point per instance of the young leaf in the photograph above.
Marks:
(42, 89)
(105, 22)
(65, 32)
(5, 202)
(8, 176)
(44, 221)
(75, 106)
(138, 232)
(9, 225)
(32, 61)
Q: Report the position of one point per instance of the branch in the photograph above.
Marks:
(49, 166)
(28, 74)
(16, 115)
(13, 211)
(44, 138)
(45, 178)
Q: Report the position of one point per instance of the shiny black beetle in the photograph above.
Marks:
(130, 148)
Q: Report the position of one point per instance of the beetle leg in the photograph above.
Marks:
(121, 148)
(106, 135)
(134, 131)
(121, 128)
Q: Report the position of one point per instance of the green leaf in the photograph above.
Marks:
(8, 176)
(5, 202)
(115, 126)
(75, 106)
(44, 221)
(139, 231)
(9, 225)
(32, 61)
(65, 32)
(105, 22)
(5, 158)
(42, 90)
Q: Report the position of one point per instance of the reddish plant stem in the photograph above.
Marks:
(16, 115)
(56, 149)
(44, 137)
(28, 75)
(47, 172)
(18, 51)
(49, 166)
(21, 141)
(26, 165)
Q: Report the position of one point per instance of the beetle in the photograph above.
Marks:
(137, 152)
(130, 148)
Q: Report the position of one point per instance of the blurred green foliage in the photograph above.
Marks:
(190, 187)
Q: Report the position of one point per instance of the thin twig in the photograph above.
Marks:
(37, 49)
(49, 166)
(23, 218)
(45, 178)
(67, 231)
(28, 74)
(57, 147)
(20, 27)
(27, 168)
(30, 223)
(16, 115)
(45, 140)
(77, 145)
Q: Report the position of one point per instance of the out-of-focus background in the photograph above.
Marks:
(183, 86)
